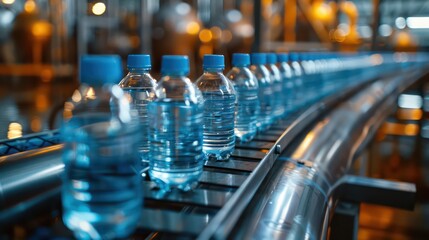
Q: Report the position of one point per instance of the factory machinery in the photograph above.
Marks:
(293, 181)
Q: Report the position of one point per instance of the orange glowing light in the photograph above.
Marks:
(404, 39)
(205, 35)
(192, 28)
(323, 12)
(41, 29)
(30, 6)
(409, 114)
(400, 129)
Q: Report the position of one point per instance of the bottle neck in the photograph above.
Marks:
(241, 66)
(213, 70)
(139, 70)
(175, 74)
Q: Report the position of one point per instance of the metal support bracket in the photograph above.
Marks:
(378, 191)
(356, 189)
(345, 222)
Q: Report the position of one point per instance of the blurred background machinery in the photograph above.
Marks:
(41, 40)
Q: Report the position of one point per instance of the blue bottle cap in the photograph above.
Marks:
(240, 59)
(271, 58)
(283, 57)
(213, 61)
(178, 64)
(100, 69)
(139, 61)
(294, 57)
(258, 58)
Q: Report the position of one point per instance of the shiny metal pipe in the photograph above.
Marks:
(27, 174)
(296, 198)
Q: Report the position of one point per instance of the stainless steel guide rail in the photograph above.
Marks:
(30, 179)
(297, 197)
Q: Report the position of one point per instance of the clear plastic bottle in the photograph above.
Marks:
(176, 128)
(140, 87)
(286, 73)
(247, 105)
(219, 109)
(300, 97)
(101, 193)
(277, 83)
(265, 92)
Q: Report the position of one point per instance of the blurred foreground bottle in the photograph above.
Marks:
(277, 85)
(140, 86)
(219, 105)
(176, 128)
(265, 92)
(101, 194)
(247, 104)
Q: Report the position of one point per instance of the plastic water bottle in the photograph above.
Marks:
(176, 128)
(279, 97)
(140, 87)
(101, 193)
(300, 98)
(265, 92)
(247, 104)
(286, 73)
(219, 109)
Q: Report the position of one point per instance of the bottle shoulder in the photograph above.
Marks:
(261, 73)
(98, 103)
(214, 82)
(286, 70)
(274, 72)
(138, 80)
(242, 76)
(177, 88)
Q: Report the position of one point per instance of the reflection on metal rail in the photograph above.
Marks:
(296, 198)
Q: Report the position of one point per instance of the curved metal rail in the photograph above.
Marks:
(297, 196)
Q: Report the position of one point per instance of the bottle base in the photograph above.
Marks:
(89, 225)
(217, 155)
(182, 180)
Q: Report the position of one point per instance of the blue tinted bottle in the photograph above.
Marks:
(300, 97)
(277, 85)
(219, 109)
(265, 92)
(247, 104)
(176, 128)
(286, 73)
(101, 191)
(140, 87)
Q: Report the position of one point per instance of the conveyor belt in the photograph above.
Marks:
(173, 212)
(224, 189)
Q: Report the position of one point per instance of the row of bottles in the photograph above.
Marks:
(174, 125)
